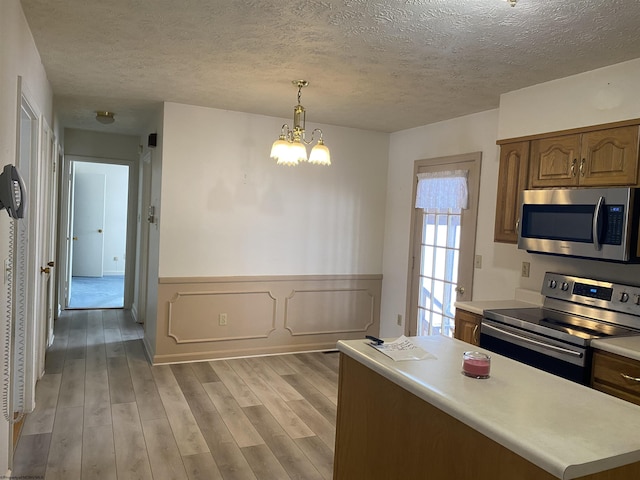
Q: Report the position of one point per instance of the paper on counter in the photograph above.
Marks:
(402, 349)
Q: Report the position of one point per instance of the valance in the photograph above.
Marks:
(445, 189)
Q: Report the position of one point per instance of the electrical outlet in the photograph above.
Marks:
(399, 320)
(525, 269)
(478, 261)
(222, 319)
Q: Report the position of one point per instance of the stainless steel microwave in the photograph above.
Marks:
(597, 223)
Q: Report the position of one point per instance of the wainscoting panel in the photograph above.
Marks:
(264, 315)
(310, 312)
(195, 317)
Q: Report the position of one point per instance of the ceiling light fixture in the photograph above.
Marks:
(105, 117)
(290, 147)
(512, 2)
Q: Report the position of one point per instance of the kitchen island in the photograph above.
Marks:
(424, 419)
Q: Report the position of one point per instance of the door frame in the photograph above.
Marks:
(415, 236)
(64, 232)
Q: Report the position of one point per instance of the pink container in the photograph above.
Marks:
(476, 364)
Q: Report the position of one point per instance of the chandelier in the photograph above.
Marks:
(290, 147)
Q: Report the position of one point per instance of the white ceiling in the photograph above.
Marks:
(378, 65)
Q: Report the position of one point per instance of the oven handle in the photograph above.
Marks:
(535, 342)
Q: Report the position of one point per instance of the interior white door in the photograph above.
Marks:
(88, 224)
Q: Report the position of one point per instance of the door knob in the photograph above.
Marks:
(460, 290)
(45, 270)
(75, 238)
(99, 230)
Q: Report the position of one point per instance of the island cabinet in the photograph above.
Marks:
(616, 375)
(600, 158)
(416, 420)
(467, 326)
(513, 176)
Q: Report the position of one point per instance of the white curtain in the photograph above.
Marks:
(447, 189)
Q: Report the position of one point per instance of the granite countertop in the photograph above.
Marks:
(556, 424)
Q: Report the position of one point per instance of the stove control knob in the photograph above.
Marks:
(553, 284)
(564, 286)
(624, 297)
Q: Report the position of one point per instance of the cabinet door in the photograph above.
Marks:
(467, 327)
(609, 157)
(616, 375)
(554, 162)
(513, 175)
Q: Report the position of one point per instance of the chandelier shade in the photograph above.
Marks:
(290, 147)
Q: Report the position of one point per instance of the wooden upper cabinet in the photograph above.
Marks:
(554, 162)
(609, 157)
(600, 158)
(512, 179)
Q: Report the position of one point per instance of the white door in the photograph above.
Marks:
(442, 251)
(88, 224)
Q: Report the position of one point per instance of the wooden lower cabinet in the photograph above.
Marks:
(616, 375)
(385, 432)
(467, 327)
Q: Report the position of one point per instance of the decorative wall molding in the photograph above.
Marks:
(265, 315)
(345, 310)
(185, 311)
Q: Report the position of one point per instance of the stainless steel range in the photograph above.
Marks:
(557, 337)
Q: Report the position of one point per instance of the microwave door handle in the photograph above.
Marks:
(596, 224)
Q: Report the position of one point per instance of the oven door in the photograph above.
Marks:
(563, 359)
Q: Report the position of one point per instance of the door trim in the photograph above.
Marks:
(410, 324)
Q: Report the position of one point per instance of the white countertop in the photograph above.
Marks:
(523, 299)
(565, 428)
(625, 346)
(479, 306)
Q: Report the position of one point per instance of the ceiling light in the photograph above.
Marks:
(105, 117)
(512, 2)
(290, 147)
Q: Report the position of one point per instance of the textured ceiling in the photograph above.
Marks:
(378, 65)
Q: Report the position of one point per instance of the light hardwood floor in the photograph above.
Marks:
(103, 412)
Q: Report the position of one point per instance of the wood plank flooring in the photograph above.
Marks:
(103, 412)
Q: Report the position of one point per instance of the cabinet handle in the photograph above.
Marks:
(629, 377)
(573, 167)
(582, 167)
(473, 335)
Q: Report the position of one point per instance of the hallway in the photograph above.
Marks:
(102, 412)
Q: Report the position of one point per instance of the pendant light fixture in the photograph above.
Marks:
(105, 117)
(290, 147)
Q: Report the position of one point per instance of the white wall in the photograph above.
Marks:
(608, 94)
(115, 213)
(601, 96)
(227, 209)
(18, 57)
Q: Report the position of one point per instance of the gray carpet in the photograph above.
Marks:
(97, 292)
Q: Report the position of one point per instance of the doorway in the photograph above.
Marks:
(442, 251)
(99, 197)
